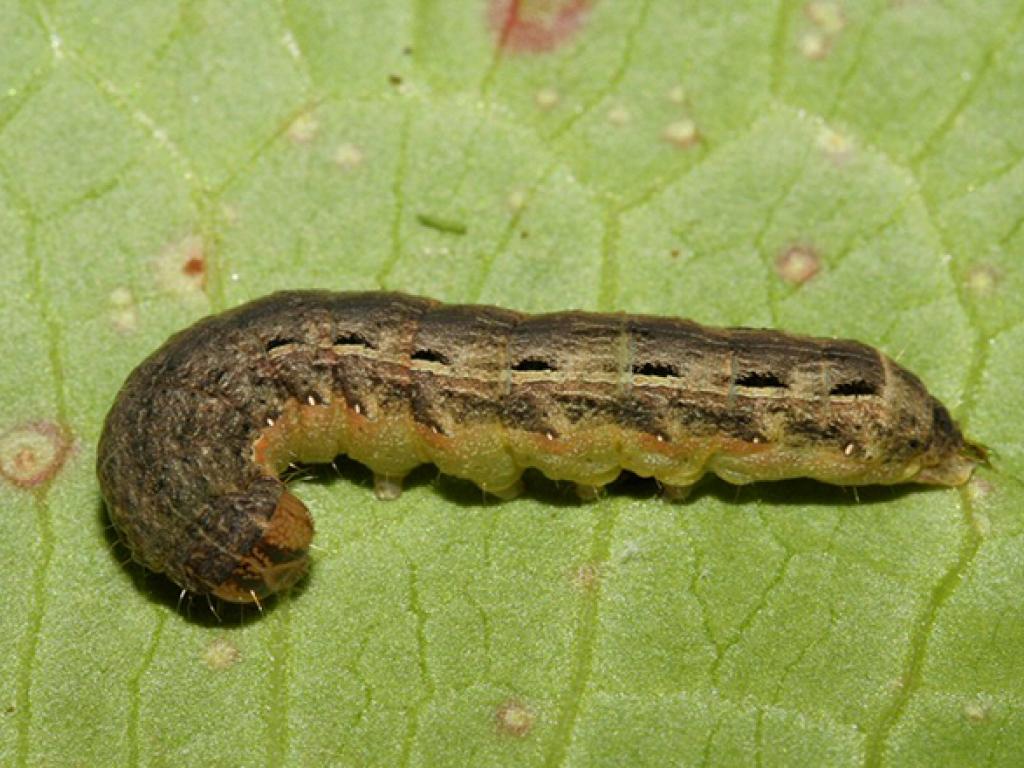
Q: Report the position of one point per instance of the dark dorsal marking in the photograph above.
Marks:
(353, 339)
(759, 380)
(532, 364)
(430, 356)
(663, 370)
(853, 387)
(281, 343)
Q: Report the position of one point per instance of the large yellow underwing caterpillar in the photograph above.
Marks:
(192, 450)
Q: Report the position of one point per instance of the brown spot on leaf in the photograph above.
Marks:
(32, 453)
(194, 266)
(797, 264)
(181, 266)
(536, 26)
(586, 577)
(514, 718)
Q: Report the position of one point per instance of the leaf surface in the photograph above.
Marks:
(849, 169)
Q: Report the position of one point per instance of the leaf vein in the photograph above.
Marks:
(585, 641)
(921, 634)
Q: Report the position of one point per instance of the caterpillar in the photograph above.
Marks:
(192, 450)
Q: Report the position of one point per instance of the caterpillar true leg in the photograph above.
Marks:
(676, 492)
(587, 492)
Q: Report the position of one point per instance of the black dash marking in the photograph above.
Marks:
(353, 339)
(532, 364)
(279, 343)
(760, 380)
(664, 370)
(430, 356)
(855, 387)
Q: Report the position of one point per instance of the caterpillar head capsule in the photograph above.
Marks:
(277, 561)
(948, 458)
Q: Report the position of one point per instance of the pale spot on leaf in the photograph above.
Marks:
(516, 200)
(124, 314)
(977, 711)
(681, 133)
(814, 46)
(980, 489)
(546, 98)
(348, 156)
(303, 128)
(826, 16)
(586, 577)
(836, 146)
(291, 45)
(983, 280)
(221, 654)
(619, 115)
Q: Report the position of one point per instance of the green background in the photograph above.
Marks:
(161, 160)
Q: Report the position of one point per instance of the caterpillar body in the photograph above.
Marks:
(193, 447)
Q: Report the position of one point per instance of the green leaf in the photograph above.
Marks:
(159, 161)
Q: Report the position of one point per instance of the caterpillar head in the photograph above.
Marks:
(947, 457)
(277, 561)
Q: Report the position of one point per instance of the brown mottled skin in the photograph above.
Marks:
(192, 448)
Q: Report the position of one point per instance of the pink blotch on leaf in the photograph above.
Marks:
(32, 453)
(798, 263)
(536, 26)
(514, 718)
